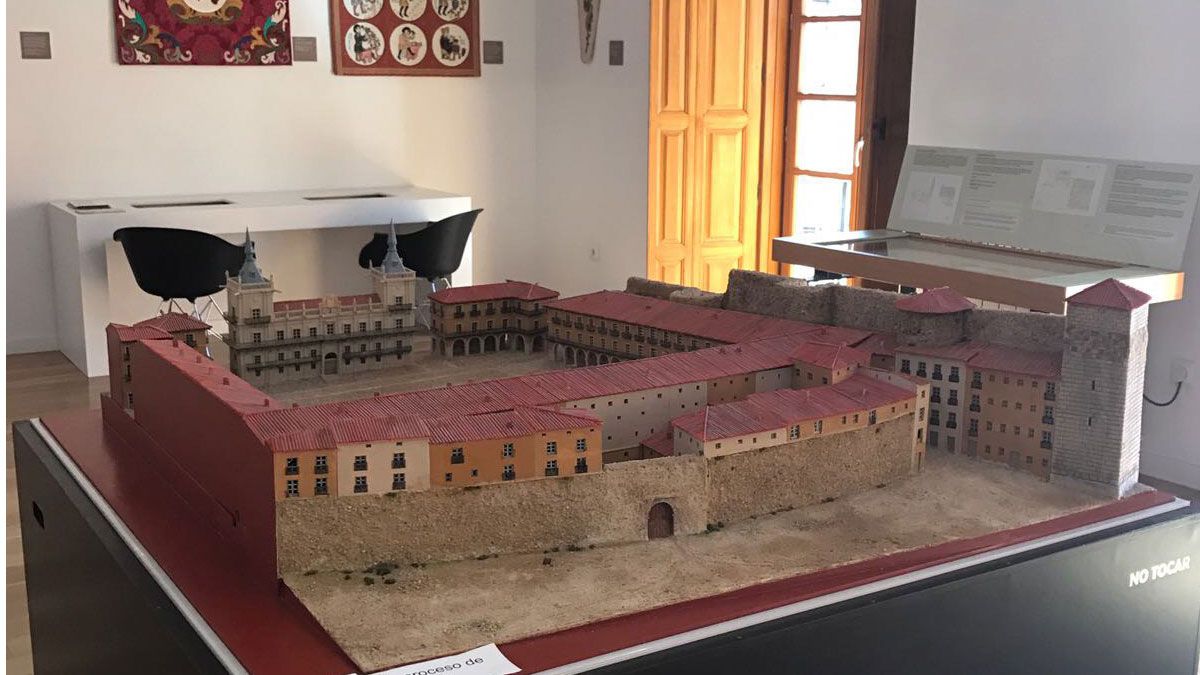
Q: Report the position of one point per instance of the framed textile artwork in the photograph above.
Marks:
(405, 37)
(203, 32)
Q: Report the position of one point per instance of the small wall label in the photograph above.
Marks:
(35, 44)
(616, 52)
(493, 51)
(304, 49)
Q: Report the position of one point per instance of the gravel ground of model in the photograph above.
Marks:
(412, 613)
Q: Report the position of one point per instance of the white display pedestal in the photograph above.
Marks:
(94, 285)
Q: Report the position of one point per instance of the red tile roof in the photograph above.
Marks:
(834, 357)
(869, 392)
(986, 356)
(378, 429)
(347, 431)
(507, 424)
(552, 388)
(175, 322)
(943, 300)
(1110, 293)
(137, 332)
(316, 303)
(302, 441)
(1018, 361)
(777, 409)
(721, 325)
(838, 335)
(881, 344)
(507, 290)
(661, 443)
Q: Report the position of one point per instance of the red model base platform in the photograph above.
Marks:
(271, 633)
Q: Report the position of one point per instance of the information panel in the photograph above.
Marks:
(1111, 210)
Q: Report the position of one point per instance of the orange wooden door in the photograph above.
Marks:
(706, 80)
(672, 140)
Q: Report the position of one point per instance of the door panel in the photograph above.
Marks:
(671, 140)
(726, 61)
(705, 156)
(672, 186)
(723, 219)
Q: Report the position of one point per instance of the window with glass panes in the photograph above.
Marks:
(824, 126)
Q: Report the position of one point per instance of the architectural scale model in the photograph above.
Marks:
(723, 414)
(282, 341)
(489, 317)
(172, 325)
(992, 401)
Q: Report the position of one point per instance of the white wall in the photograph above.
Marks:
(1107, 78)
(82, 126)
(591, 154)
(552, 149)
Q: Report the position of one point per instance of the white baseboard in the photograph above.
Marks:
(1172, 469)
(25, 345)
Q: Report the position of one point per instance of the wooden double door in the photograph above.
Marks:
(770, 117)
(706, 139)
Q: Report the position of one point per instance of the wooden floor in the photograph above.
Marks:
(47, 382)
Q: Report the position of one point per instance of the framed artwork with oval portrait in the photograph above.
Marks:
(405, 37)
(203, 32)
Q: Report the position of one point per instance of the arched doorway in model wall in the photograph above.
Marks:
(661, 521)
(331, 364)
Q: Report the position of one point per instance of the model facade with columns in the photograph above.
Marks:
(489, 318)
(272, 341)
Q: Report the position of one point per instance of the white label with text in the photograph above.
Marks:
(485, 660)
(1159, 571)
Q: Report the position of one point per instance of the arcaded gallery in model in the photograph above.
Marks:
(603, 336)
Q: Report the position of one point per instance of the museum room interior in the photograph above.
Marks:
(627, 336)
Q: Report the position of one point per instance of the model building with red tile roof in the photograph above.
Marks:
(544, 425)
(489, 317)
(275, 341)
(172, 325)
(1072, 413)
(692, 391)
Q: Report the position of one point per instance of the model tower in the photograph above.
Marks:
(394, 283)
(250, 295)
(1100, 402)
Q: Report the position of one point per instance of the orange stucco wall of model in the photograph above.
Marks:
(1013, 420)
(306, 473)
(484, 461)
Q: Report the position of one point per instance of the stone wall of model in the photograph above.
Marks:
(449, 524)
(744, 484)
(864, 308)
(609, 507)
